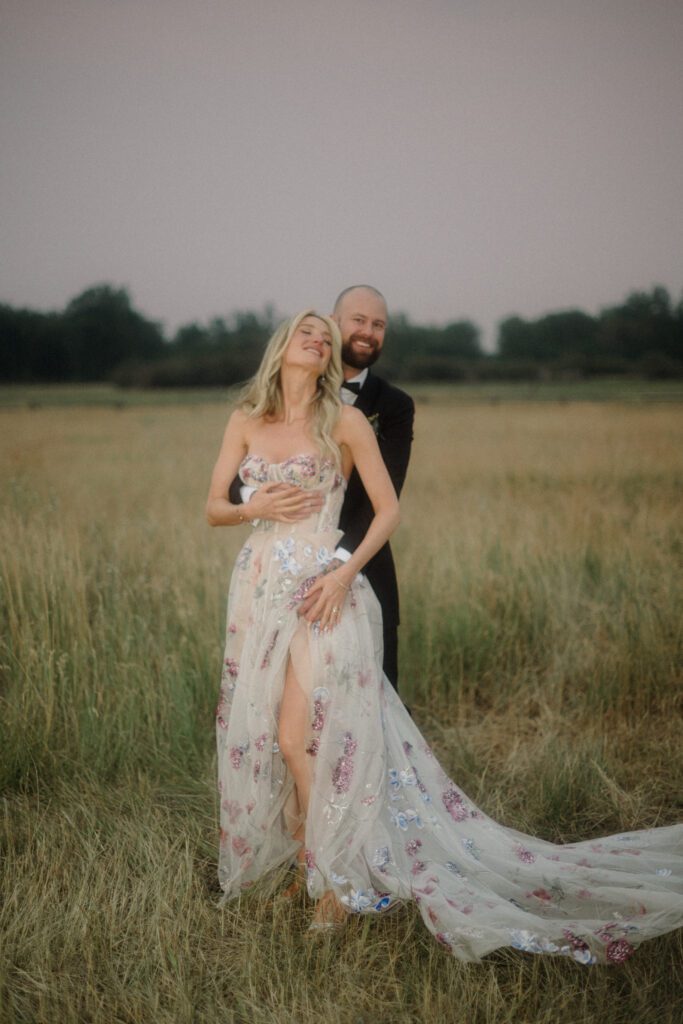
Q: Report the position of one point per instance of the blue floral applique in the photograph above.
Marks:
(284, 553)
(244, 557)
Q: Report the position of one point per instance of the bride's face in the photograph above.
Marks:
(310, 346)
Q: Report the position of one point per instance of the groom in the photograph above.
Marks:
(361, 314)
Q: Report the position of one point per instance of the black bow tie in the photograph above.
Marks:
(352, 386)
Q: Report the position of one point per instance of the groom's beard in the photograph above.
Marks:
(359, 359)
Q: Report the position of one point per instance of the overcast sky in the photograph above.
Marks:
(470, 158)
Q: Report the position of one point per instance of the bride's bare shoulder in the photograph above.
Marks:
(238, 425)
(238, 415)
(351, 422)
(350, 418)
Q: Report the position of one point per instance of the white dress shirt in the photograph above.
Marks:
(349, 397)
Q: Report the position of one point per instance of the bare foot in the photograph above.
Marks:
(328, 914)
(293, 889)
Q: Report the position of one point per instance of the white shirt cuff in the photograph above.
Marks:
(246, 493)
(342, 554)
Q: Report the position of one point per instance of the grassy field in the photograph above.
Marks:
(540, 559)
(631, 390)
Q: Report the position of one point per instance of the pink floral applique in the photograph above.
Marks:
(619, 951)
(318, 716)
(269, 649)
(453, 803)
(236, 755)
(220, 708)
(240, 846)
(233, 810)
(575, 942)
(526, 856)
(343, 770)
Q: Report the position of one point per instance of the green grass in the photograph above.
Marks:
(540, 565)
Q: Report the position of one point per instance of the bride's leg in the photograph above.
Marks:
(292, 740)
(293, 727)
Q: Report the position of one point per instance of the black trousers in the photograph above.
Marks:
(390, 662)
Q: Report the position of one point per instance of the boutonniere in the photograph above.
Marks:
(374, 422)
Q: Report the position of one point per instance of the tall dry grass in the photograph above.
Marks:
(540, 564)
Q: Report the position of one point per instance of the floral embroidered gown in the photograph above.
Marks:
(384, 822)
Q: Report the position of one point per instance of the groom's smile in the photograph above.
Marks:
(362, 319)
(361, 350)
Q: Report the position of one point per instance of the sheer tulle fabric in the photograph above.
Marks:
(385, 823)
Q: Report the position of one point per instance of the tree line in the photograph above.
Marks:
(99, 336)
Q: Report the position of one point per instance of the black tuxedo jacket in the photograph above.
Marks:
(391, 413)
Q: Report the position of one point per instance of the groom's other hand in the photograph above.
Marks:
(283, 503)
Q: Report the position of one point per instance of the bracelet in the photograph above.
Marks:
(342, 585)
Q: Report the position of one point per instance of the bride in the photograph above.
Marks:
(319, 762)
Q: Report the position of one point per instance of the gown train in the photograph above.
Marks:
(384, 822)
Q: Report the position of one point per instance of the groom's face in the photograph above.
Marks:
(362, 320)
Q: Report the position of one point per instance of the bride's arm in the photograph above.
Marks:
(220, 511)
(355, 434)
(271, 501)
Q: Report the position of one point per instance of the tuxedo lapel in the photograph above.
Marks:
(367, 396)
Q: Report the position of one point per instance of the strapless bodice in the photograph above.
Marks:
(308, 471)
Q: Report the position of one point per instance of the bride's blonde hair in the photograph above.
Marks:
(262, 396)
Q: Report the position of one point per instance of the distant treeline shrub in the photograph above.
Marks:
(96, 332)
(222, 353)
(99, 336)
(644, 334)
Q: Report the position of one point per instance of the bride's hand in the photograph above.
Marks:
(283, 503)
(326, 598)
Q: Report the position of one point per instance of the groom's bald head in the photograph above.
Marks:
(361, 314)
(359, 291)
